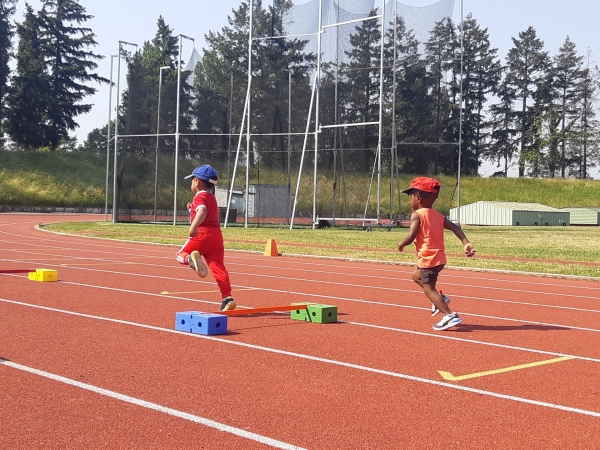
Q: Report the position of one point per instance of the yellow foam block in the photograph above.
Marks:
(44, 275)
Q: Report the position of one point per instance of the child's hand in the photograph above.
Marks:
(400, 248)
(193, 231)
(189, 206)
(469, 250)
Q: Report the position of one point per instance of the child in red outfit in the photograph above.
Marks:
(206, 238)
(427, 231)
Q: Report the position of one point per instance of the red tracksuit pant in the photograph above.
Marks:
(209, 243)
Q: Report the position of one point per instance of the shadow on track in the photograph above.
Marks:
(467, 328)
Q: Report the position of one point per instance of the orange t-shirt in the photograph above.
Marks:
(429, 241)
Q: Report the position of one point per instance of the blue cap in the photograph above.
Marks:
(205, 173)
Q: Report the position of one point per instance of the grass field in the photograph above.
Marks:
(551, 250)
(78, 180)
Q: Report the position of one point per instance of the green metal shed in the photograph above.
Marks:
(584, 216)
(510, 214)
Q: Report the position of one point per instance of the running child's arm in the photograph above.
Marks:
(415, 223)
(469, 249)
(200, 216)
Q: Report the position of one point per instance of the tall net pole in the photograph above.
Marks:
(157, 139)
(115, 211)
(317, 84)
(460, 113)
(380, 138)
(249, 101)
(108, 139)
(393, 150)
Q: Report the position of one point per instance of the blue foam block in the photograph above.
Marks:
(209, 323)
(183, 320)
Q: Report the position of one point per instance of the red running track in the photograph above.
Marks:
(93, 360)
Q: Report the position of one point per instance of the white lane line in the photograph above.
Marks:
(312, 264)
(329, 297)
(319, 296)
(154, 406)
(308, 280)
(471, 341)
(329, 361)
(400, 279)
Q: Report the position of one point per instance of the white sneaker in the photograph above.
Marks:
(434, 309)
(196, 263)
(448, 321)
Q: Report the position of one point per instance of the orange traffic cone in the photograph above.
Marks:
(271, 249)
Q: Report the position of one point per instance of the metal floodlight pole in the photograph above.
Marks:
(157, 137)
(248, 123)
(289, 142)
(380, 139)
(110, 85)
(230, 123)
(115, 212)
(317, 84)
(460, 113)
(393, 153)
(181, 36)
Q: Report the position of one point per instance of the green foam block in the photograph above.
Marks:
(315, 313)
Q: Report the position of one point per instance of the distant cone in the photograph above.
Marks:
(271, 249)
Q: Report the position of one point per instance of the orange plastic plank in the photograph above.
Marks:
(17, 270)
(241, 312)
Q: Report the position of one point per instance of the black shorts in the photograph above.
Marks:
(429, 274)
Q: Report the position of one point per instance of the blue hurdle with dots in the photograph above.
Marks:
(200, 323)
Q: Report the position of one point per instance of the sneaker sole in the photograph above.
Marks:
(450, 324)
(229, 306)
(199, 266)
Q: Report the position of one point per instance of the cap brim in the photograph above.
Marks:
(407, 191)
(189, 176)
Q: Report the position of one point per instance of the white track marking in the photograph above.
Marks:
(154, 406)
(401, 279)
(330, 361)
(471, 341)
(320, 296)
(393, 289)
(312, 264)
(400, 330)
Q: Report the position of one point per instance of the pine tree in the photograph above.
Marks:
(7, 10)
(527, 64)
(588, 129)
(70, 63)
(30, 94)
(226, 61)
(503, 123)
(440, 50)
(482, 72)
(568, 78)
(363, 89)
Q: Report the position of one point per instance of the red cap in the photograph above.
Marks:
(423, 184)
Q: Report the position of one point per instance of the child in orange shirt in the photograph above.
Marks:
(427, 231)
(206, 238)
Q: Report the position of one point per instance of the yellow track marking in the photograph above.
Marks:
(448, 376)
(212, 290)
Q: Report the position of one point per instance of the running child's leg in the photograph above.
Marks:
(215, 261)
(434, 296)
(190, 254)
(184, 252)
(427, 280)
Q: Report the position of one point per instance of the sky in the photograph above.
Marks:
(135, 21)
